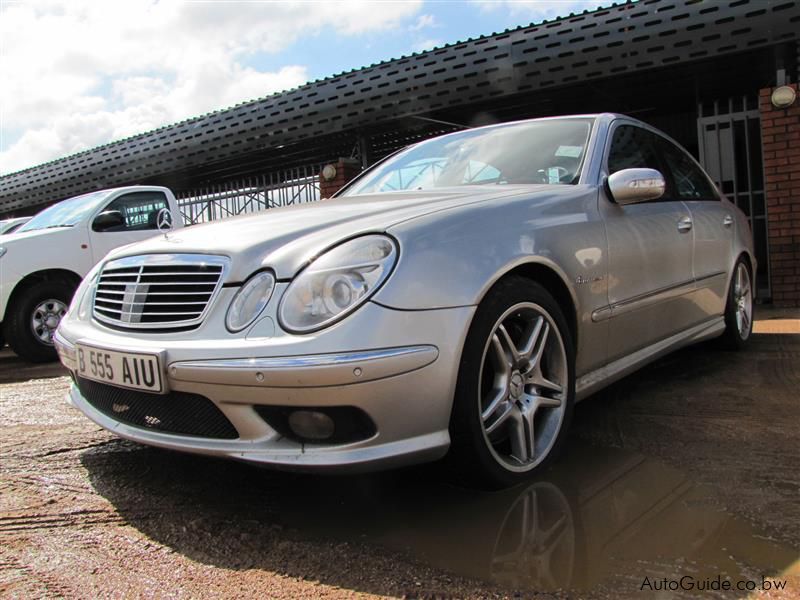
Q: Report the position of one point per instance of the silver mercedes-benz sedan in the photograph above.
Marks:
(455, 299)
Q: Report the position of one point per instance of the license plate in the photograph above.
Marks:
(134, 370)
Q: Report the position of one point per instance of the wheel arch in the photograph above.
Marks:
(63, 275)
(751, 261)
(554, 280)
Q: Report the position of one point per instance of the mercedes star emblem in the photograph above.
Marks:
(164, 221)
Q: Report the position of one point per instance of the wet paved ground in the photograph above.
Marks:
(689, 468)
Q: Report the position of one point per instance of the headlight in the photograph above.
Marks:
(337, 283)
(80, 300)
(249, 301)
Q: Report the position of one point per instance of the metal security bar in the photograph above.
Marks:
(729, 136)
(249, 194)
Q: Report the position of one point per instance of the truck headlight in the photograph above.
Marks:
(337, 283)
(249, 301)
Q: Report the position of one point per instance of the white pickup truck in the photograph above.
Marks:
(42, 263)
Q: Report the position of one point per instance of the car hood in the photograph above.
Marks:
(286, 239)
(15, 237)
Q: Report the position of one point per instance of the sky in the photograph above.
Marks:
(75, 74)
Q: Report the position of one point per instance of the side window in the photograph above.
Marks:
(632, 148)
(688, 180)
(139, 210)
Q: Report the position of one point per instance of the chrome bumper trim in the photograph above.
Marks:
(316, 370)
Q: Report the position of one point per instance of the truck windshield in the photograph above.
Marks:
(66, 213)
(536, 152)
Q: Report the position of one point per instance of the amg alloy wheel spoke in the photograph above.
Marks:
(508, 410)
(499, 358)
(533, 336)
(745, 320)
(546, 402)
(509, 346)
(537, 345)
(499, 395)
(522, 440)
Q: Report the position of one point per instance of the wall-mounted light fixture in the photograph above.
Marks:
(328, 172)
(783, 96)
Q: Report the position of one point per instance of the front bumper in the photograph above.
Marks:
(402, 375)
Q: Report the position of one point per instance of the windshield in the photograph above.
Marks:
(66, 213)
(549, 152)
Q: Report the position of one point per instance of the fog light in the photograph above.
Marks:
(311, 425)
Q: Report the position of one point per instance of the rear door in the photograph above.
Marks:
(713, 225)
(139, 211)
(649, 251)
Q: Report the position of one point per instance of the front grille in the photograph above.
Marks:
(166, 291)
(175, 412)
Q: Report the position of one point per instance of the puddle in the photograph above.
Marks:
(603, 517)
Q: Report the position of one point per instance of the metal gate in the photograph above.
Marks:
(729, 137)
(249, 194)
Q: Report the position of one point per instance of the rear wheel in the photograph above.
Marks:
(739, 308)
(515, 387)
(34, 317)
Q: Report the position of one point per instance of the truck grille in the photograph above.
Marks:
(157, 292)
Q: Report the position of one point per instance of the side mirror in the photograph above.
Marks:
(630, 186)
(108, 219)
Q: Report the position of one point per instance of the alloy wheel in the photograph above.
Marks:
(523, 387)
(743, 299)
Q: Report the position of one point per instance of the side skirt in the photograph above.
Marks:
(598, 379)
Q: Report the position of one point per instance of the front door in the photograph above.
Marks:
(650, 249)
(139, 212)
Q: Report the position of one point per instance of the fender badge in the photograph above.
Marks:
(580, 279)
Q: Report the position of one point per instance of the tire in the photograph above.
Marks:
(739, 307)
(44, 302)
(497, 404)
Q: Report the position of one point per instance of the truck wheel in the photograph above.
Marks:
(34, 317)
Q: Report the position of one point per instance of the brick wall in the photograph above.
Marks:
(780, 136)
(346, 169)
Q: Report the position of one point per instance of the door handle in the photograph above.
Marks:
(727, 221)
(685, 224)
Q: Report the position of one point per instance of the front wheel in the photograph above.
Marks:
(34, 317)
(515, 388)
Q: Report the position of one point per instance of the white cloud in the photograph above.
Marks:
(84, 72)
(426, 44)
(537, 10)
(423, 22)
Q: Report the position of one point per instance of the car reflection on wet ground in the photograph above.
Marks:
(604, 516)
(688, 468)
